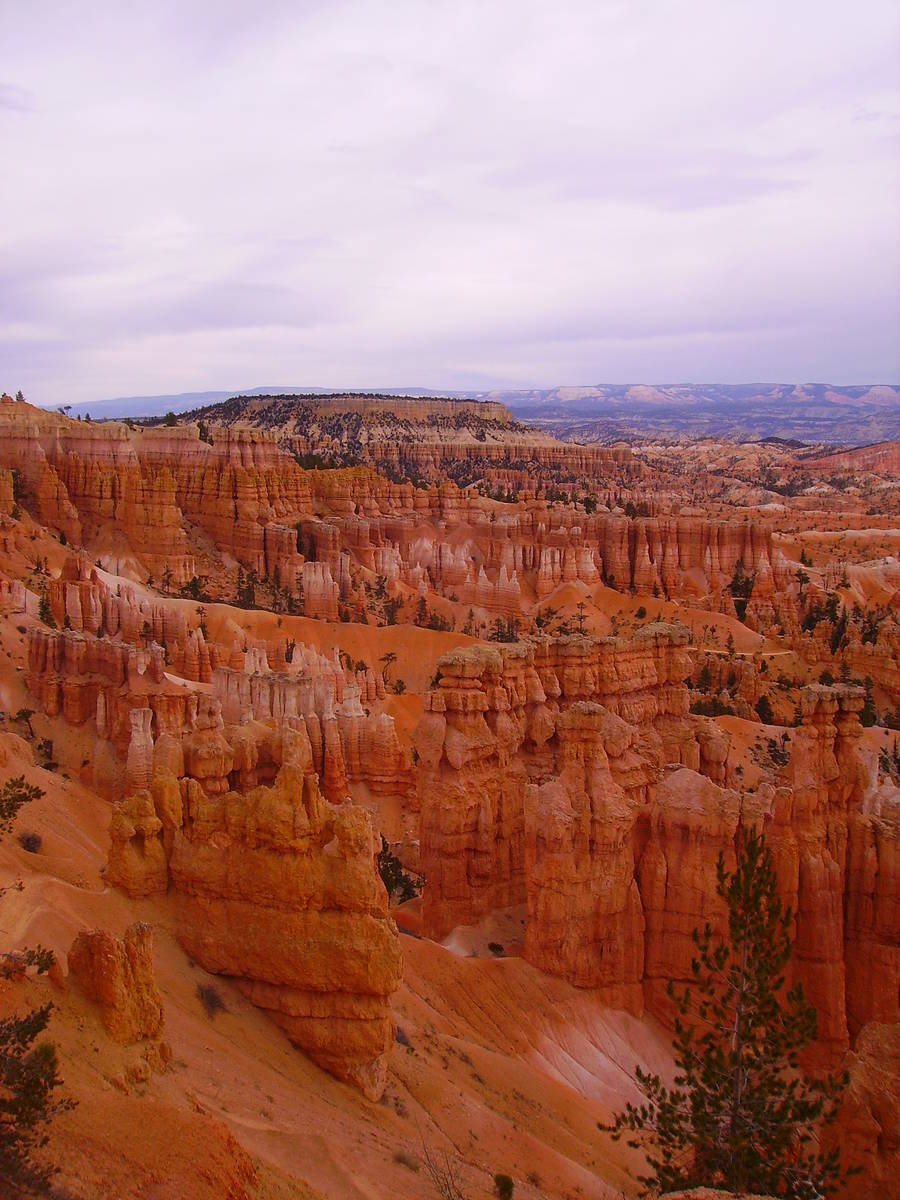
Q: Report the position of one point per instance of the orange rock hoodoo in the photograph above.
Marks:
(121, 655)
(560, 784)
(270, 883)
(142, 498)
(563, 775)
(117, 973)
(277, 889)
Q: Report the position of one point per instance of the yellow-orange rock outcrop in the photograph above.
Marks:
(117, 974)
(277, 889)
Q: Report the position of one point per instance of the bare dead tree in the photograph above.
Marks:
(443, 1172)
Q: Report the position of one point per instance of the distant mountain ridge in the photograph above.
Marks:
(813, 413)
(809, 413)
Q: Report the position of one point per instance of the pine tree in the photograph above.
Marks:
(869, 715)
(16, 793)
(741, 1115)
(29, 1071)
(45, 612)
(764, 710)
(387, 660)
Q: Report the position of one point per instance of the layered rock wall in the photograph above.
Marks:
(563, 775)
(141, 499)
(502, 721)
(126, 698)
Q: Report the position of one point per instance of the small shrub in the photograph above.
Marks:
(713, 707)
(23, 717)
(764, 710)
(13, 795)
(503, 1186)
(641, 613)
(407, 1160)
(394, 878)
(495, 948)
(211, 999)
(778, 754)
(30, 842)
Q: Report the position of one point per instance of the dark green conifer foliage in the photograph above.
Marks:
(29, 1071)
(741, 1115)
(764, 710)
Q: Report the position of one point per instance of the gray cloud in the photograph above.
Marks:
(388, 192)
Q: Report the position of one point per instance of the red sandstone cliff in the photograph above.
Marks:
(145, 501)
(549, 777)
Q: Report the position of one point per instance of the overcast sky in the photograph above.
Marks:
(211, 194)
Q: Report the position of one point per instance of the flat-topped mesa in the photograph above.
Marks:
(410, 408)
(528, 456)
(493, 722)
(427, 439)
(278, 890)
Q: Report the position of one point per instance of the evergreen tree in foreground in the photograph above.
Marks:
(741, 1116)
(29, 1073)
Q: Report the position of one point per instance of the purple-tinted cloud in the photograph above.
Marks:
(15, 99)
(376, 192)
